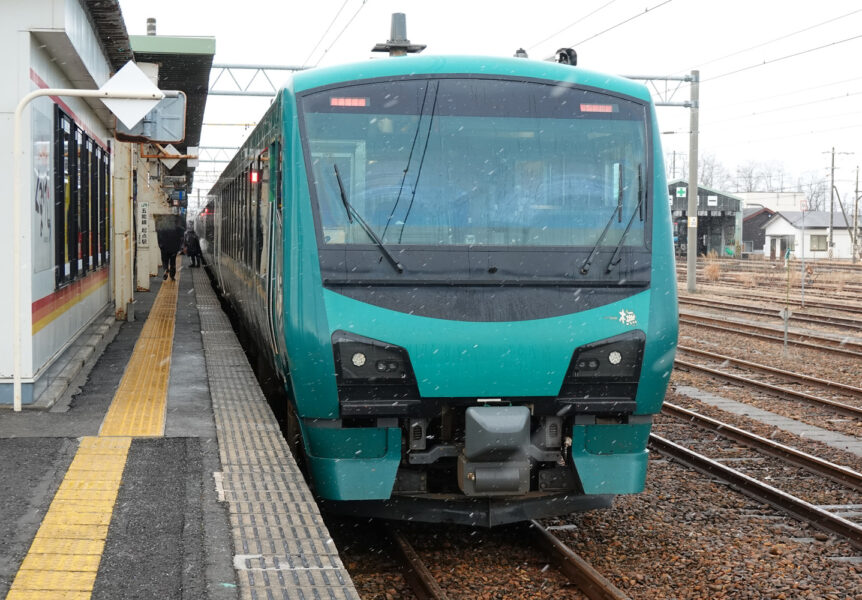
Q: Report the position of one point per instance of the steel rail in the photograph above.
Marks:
(769, 329)
(766, 312)
(809, 462)
(824, 383)
(815, 516)
(700, 322)
(839, 407)
(817, 299)
(589, 581)
(417, 575)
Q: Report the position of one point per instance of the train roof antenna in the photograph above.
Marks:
(398, 44)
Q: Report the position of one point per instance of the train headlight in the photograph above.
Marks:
(613, 359)
(359, 359)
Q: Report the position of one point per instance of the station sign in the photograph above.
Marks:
(165, 123)
(130, 77)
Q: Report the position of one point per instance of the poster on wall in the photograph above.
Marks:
(41, 189)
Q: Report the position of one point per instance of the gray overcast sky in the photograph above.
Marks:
(781, 81)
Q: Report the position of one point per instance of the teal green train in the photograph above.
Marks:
(462, 268)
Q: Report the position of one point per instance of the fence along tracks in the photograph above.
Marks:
(580, 572)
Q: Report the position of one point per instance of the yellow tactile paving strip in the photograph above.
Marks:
(138, 408)
(64, 557)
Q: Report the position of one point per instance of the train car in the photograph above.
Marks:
(463, 269)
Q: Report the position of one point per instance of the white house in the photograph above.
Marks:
(807, 234)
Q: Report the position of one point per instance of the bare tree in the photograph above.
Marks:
(747, 176)
(712, 173)
(772, 176)
(814, 186)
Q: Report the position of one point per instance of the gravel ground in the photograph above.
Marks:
(687, 536)
(803, 484)
(468, 563)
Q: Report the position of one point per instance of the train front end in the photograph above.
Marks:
(481, 313)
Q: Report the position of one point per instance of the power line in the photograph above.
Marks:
(791, 93)
(361, 6)
(320, 41)
(784, 137)
(632, 18)
(775, 60)
(782, 37)
(780, 108)
(570, 25)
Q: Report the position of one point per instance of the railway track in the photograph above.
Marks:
(849, 305)
(797, 317)
(816, 516)
(837, 473)
(845, 347)
(841, 408)
(589, 581)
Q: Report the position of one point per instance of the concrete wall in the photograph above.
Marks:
(45, 43)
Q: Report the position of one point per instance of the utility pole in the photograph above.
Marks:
(856, 219)
(665, 99)
(831, 202)
(691, 249)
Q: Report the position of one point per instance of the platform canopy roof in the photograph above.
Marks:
(110, 28)
(184, 64)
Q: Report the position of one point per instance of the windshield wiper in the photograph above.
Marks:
(615, 259)
(618, 210)
(352, 212)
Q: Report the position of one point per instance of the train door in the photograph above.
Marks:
(274, 280)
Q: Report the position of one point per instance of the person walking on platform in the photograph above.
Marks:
(170, 242)
(192, 246)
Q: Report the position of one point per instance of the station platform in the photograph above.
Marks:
(166, 476)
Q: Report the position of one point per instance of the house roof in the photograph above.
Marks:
(703, 188)
(814, 219)
(755, 209)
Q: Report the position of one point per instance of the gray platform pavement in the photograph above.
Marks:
(216, 508)
(830, 438)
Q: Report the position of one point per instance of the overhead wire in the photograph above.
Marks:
(780, 108)
(780, 58)
(570, 25)
(772, 41)
(340, 33)
(320, 41)
(621, 23)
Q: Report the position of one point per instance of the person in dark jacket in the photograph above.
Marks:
(192, 246)
(170, 243)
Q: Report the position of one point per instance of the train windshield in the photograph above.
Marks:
(469, 161)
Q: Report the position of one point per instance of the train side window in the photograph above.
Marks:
(278, 177)
(262, 210)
